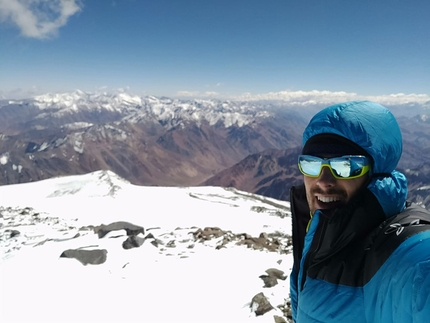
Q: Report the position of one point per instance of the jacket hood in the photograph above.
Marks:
(374, 128)
(368, 124)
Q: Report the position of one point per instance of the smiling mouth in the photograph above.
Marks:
(328, 199)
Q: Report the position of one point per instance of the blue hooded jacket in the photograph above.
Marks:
(363, 262)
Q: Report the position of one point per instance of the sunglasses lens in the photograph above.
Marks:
(345, 168)
(342, 167)
(310, 165)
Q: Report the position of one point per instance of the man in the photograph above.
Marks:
(361, 252)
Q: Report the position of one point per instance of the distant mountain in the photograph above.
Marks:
(149, 141)
(273, 172)
(269, 173)
(170, 142)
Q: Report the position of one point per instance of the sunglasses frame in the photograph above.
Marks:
(325, 162)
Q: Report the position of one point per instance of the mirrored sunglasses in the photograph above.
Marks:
(345, 167)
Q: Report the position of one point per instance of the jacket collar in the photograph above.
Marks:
(342, 226)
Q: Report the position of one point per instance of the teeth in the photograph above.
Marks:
(328, 199)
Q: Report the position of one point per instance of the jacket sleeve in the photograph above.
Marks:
(400, 290)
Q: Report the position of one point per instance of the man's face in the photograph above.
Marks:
(326, 192)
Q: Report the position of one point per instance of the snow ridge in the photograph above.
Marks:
(161, 110)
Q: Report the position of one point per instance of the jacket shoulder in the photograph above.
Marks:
(391, 234)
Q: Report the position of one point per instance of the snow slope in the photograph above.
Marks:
(176, 275)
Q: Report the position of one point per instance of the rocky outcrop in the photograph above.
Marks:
(130, 229)
(92, 257)
(262, 242)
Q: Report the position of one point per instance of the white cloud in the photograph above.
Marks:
(402, 99)
(188, 93)
(19, 93)
(211, 93)
(38, 18)
(303, 98)
(291, 98)
(315, 97)
(197, 94)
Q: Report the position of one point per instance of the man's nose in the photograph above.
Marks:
(326, 177)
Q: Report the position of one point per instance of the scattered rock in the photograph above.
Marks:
(262, 242)
(92, 257)
(156, 242)
(208, 233)
(171, 244)
(271, 242)
(286, 310)
(276, 242)
(87, 228)
(26, 211)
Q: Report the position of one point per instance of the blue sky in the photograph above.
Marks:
(220, 48)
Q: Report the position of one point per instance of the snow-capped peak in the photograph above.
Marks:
(82, 100)
(163, 110)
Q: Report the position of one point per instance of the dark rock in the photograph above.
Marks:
(279, 319)
(171, 244)
(14, 233)
(150, 236)
(286, 310)
(261, 304)
(269, 281)
(260, 243)
(156, 242)
(92, 257)
(208, 233)
(277, 273)
(133, 242)
(263, 235)
(130, 229)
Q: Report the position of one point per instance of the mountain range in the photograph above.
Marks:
(159, 141)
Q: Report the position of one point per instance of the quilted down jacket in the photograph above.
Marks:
(368, 261)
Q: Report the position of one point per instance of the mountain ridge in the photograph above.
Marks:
(159, 142)
(171, 142)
